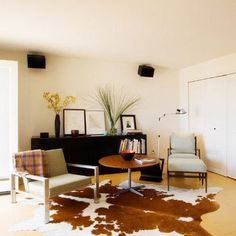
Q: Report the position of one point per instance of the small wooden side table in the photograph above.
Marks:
(116, 161)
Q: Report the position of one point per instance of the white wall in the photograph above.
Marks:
(216, 67)
(80, 77)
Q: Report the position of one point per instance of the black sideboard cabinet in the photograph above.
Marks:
(86, 149)
(89, 149)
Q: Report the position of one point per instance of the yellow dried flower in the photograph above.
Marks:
(54, 101)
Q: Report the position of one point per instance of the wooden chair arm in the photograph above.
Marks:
(198, 153)
(168, 152)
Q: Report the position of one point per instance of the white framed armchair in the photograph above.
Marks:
(58, 179)
(184, 158)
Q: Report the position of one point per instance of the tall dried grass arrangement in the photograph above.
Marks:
(114, 103)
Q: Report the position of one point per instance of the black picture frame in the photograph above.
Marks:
(74, 119)
(128, 122)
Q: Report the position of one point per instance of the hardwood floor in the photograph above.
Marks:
(219, 223)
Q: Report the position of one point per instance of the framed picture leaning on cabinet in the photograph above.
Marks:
(74, 119)
(128, 122)
(95, 122)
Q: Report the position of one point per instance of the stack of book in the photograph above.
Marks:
(137, 145)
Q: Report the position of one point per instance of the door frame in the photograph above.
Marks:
(12, 67)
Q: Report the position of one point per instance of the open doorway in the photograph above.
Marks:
(9, 120)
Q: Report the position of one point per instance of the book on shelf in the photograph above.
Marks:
(143, 146)
(144, 160)
(137, 145)
(123, 144)
(130, 144)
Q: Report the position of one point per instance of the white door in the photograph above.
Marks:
(215, 125)
(9, 115)
(207, 118)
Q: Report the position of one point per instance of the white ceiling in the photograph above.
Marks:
(171, 33)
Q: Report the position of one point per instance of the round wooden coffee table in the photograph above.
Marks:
(116, 161)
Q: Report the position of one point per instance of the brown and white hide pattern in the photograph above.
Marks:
(157, 212)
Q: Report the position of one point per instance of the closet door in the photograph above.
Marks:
(231, 127)
(207, 118)
(215, 125)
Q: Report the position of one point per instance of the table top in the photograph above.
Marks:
(116, 161)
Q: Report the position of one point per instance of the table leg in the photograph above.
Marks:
(136, 192)
(130, 189)
(129, 178)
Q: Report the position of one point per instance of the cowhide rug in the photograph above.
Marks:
(177, 212)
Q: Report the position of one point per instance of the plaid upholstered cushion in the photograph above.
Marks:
(32, 162)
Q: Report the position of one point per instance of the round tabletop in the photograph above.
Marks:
(116, 161)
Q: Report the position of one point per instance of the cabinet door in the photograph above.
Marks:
(231, 127)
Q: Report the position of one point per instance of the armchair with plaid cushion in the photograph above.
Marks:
(45, 175)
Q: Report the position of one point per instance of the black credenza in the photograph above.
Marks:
(86, 149)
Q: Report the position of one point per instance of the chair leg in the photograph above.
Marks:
(96, 189)
(46, 200)
(203, 176)
(168, 181)
(200, 176)
(13, 188)
(205, 182)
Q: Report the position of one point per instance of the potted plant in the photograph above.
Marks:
(114, 103)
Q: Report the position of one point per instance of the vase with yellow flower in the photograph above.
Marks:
(55, 103)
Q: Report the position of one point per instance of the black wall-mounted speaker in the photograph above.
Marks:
(146, 71)
(36, 61)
